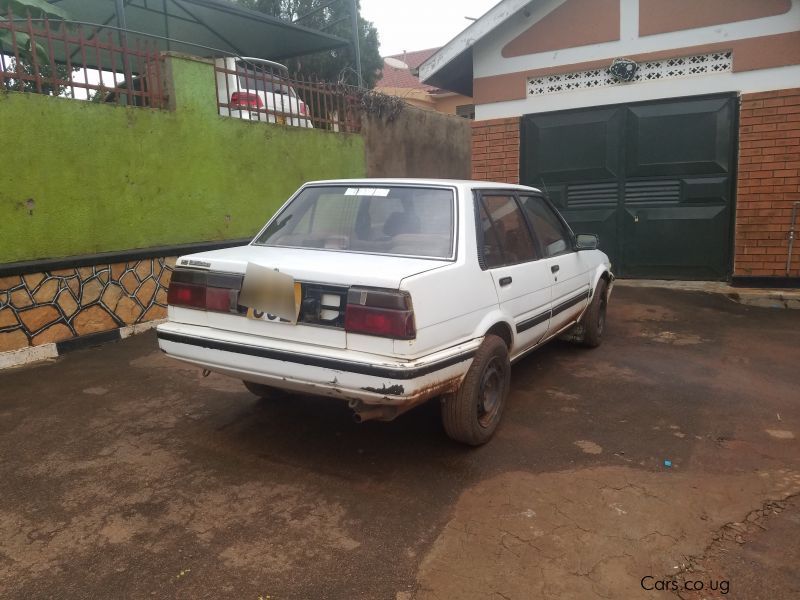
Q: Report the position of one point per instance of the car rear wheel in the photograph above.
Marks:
(263, 391)
(594, 321)
(471, 414)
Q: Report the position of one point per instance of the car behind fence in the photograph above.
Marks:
(79, 61)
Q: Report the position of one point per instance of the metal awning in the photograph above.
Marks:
(204, 28)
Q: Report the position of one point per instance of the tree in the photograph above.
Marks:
(37, 9)
(336, 65)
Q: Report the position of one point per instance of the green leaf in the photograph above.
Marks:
(37, 8)
(24, 46)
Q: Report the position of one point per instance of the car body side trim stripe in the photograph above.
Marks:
(533, 321)
(541, 318)
(316, 361)
(571, 302)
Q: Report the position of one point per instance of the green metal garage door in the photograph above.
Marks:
(654, 180)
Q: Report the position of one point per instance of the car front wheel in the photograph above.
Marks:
(471, 414)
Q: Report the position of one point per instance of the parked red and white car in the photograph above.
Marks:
(256, 89)
(389, 292)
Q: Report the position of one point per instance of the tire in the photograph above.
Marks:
(594, 321)
(471, 414)
(263, 391)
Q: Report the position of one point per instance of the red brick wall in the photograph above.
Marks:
(495, 150)
(769, 176)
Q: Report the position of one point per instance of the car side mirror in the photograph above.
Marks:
(586, 241)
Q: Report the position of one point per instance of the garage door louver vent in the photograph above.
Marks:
(594, 195)
(653, 192)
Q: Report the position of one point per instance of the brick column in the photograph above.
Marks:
(769, 162)
(495, 150)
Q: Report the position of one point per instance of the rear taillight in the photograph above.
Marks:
(216, 292)
(246, 100)
(384, 313)
(186, 294)
(303, 110)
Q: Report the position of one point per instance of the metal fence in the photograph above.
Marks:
(259, 90)
(72, 60)
(62, 59)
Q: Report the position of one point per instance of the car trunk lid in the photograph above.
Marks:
(324, 275)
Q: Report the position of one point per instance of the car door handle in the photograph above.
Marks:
(504, 281)
(554, 268)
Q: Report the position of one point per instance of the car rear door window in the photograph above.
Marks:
(548, 228)
(505, 235)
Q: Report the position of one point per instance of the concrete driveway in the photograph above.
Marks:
(126, 475)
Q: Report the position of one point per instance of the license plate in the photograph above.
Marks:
(258, 315)
(269, 294)
(280, 120)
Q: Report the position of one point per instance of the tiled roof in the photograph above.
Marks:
(402, 78)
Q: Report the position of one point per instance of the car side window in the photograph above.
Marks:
(506, 238)
(553, 236)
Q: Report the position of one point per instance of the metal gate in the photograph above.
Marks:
(654, 180)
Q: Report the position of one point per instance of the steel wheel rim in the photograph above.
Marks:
(491, 393)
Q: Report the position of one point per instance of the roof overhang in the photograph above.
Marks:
(204, 28)
(451, 67)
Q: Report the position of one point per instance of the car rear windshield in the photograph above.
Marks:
(383, 219)
(261, 80)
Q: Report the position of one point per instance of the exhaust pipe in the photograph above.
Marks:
(380, 413)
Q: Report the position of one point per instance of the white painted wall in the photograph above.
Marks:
(750, 81)
(488, 61)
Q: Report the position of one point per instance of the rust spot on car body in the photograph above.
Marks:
(393, 409)
(437, 388)
(392, 390)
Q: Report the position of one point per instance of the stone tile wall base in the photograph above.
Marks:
(37, 309)
(31, 354)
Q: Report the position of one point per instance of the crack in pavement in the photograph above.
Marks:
(533, 535)
(731, 531)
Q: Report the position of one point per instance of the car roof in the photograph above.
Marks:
(471, 183)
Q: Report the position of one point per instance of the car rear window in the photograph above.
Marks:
(405, 221)
(261, 80)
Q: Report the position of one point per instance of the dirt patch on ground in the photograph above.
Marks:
(764, 543)
(592, 533)
(673, 338)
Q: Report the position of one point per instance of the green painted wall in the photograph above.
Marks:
(79, 178)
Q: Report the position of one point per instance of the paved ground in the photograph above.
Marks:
(128, 476)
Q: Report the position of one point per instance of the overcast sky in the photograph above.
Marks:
(419, 24)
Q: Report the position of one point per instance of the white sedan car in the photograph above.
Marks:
(389, 292)
(255, 89)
